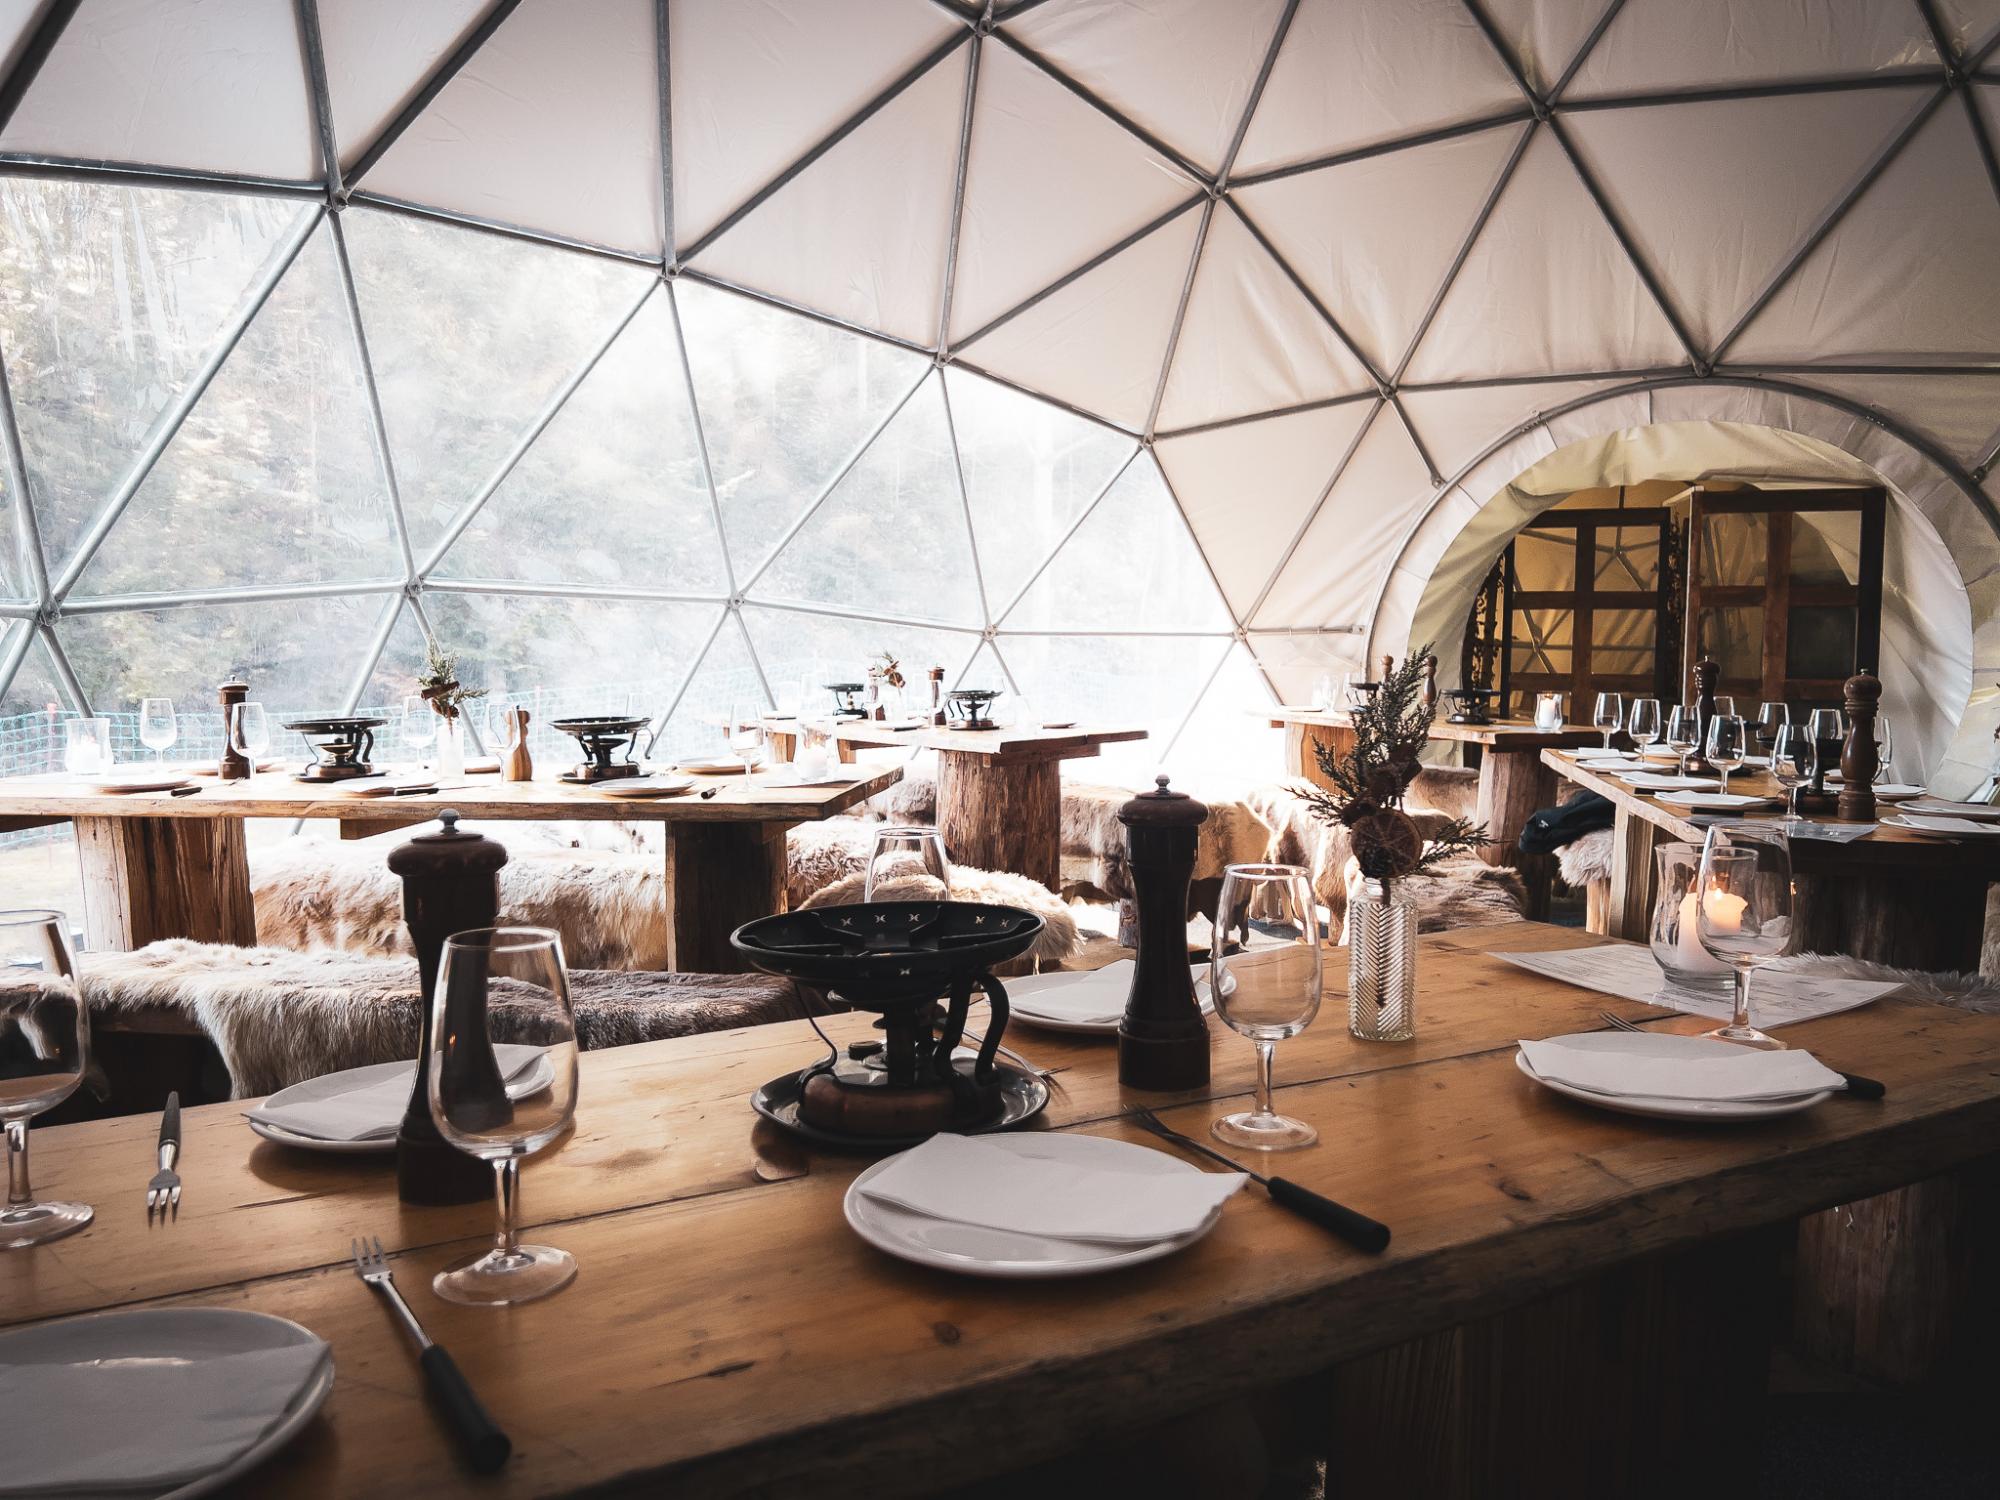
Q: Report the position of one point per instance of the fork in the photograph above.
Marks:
(163, 1193)
(485, 1445)
(1858, 1087)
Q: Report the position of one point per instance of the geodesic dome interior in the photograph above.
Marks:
(1145, 355)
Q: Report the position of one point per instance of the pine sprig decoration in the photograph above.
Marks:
(1371, 780)
(438, 683)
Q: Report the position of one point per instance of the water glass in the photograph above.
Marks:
(419, 725)
(1645, 727)
(502, 985)
(87, 746)
(1684, 732)
(1794, 762)
(44, 1049)
(158, 729)
(1610, 715)
(1745, 912)
(743, 733)
(1771, 717)
(249, 732)
(813, 759)
(1269, 991)
(902, 854)
(1727, 746)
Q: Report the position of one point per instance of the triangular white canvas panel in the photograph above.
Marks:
(1132, 559)
(1546, 290)
(808, 651)
(1928, 222)
(1248, 488)
(1373, 238)
(861, 234)
(216, 84)
(613, 493)
(553, 125)
(892, 535)
(785, 401)
(1030, 468)
(1136, 682)
(1251, 341)
(1959, 413)
(1968, 24)
(813, 64)
(1459, 423)
(115, 298)
(1358, 73)
(1673, 44)
(1718, 194)
(275, 474)
(465, 358)
(1182, 69)
(1099, 343)
(1049, 183)
(1544, 35)
(378, 54)
(1331, 579)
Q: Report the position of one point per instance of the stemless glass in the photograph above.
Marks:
(87, 746)
(44, 1048)
(813, 759)
(1645, 727)
(419, 726)
(1684, 732)
(903, 854)
(249, 732)
(1610, 715)
(1745, 912)
(1726, 748)
(1268, 992)
(1794, 763)
(1771, 717)
(495, 985)
(158, 728)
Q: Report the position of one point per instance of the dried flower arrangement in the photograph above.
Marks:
(439, 685)
(892, 669)
(1374, 776)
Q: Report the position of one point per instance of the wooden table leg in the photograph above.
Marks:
(1301, 742)
(719, 876)
(1002, 812)
(1513, 785)
(1629, 910)
(151, 878)
(1892, 916)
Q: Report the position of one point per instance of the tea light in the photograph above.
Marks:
(811, 761)
(1549, 711)
(1725, 913)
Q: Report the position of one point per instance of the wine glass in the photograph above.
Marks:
(498, 985)
(1727, 747)
(1744, 911)
(1322, 694)
(1771, 717)
(901, 854)
(249, 732)
(1794, 762)
(791, 697)
(1683, 732)
(1885, 746)
(1610, 715)
(419, 726)
(744, 733)
(1645, 726)
(1829, 728)
(158, 728)
(1268, 992)
(87, 746)
(1725, 703)
(44, 1049)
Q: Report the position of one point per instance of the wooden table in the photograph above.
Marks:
(1513, 782)
(727, 1334)
(160, 866)
(999, 791)
(1892, 896)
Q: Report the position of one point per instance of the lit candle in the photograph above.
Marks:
(1549, 711)
(1725, 911)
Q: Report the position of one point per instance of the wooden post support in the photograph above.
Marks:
(1002, 812)
(1629, 907)
(1858, 759)
(1513, 786)
(719, 876)
(151, 878)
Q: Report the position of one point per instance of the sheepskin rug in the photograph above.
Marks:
(1093, 838)
(987, 887)
(1451, 790)
(1586, 859)
(1463, 892)
(279, 1017)
(313, 894)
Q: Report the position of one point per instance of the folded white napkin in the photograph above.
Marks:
(145, 1425)
(1937, 806)
(968, 1181)
(787, 774)
(1945, 825)
(1658, 1067)
(1092, 998)
(373, 1111)
(1661, 781)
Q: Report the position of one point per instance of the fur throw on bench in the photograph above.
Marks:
(1586, 859)
(1093, 837)
(988, 887)
(279, 1017)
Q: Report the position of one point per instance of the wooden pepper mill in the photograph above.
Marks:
(1706, 672)
(1430, 682)
(451, 883)
(1162, 1039)
(519, 764)
(1388, 667)
(1858, 753)
(232, 764)
(937, 697)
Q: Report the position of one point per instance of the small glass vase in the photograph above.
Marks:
(1685, 965)
(451, 748)
(1382, 963)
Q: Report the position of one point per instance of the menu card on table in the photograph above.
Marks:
(1631, 973)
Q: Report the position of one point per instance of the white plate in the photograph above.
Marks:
(712, 766)
(532, 1082)
(1652, 781)
(142, 781)
(1019, 1008)
(1728, 800)
(974, 1250)
(1912, 823)
(1897, 791)
(1707, 1111)
(647, 786)
(1938, 807)
(175, 1332)
(383, 786)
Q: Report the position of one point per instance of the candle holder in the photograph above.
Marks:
(1675, 942)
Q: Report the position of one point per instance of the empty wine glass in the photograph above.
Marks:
(501, 985)
(1745, 911)
(87, 746)
(1885, 747)
(1829, 728)
(158, 729)
(743, 732)
(1645, 727)
(44, 1048)
(249, 732)
(902, 854)
(1727, 747)
(1725, 704)
(419, 725)
(1771, 717)
(1794, 762)
(1610, 715)
(1269, 991)
(1683, 732)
